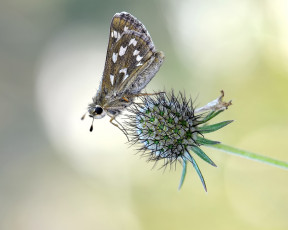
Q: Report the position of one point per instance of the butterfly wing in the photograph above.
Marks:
(131, 55)
(147, 74)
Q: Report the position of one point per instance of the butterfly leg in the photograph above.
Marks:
(141, 95)
(148, 94)
(119, 126)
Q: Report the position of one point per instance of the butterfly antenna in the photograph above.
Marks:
(91, 128)
(82, 118)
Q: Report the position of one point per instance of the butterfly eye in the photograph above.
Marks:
(98, 110)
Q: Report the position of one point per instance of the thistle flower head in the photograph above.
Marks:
(167, 128)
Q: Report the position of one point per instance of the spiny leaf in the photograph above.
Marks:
(214, 127)
(202, 155)
(210, 116)
(204, 141)
(190, 158)
(183, 173)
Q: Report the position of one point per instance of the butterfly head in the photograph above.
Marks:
(97, 112)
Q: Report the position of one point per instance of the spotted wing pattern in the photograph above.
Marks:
(131, 60)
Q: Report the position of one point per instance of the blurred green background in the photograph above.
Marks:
(55, 174)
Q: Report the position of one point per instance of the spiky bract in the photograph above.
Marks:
(167, 128)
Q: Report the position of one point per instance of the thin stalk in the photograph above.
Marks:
(250, 155)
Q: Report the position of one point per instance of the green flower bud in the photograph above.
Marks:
(167, 128)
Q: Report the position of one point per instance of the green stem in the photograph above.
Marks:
(249, 155)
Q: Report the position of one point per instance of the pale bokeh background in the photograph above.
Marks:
(55, 174)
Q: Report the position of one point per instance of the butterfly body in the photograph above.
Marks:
(131, 63)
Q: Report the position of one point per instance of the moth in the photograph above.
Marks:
(131, 63)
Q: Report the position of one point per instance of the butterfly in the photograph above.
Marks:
(131, 63)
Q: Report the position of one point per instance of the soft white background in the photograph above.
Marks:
(55, 174)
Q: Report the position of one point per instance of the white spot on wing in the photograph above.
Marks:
(123, 70)
(139, 64)
(115, 34)
(114, 57)
(136, 52)
(138, 58)
(125, 77)
(125, 73)
(122, 50)
(133, 41)
(119, 36)
(112, 79)
(125, 28)
(112, 34)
